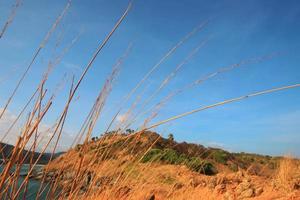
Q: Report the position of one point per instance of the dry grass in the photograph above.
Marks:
(10, 17)
(114, 160)
(287, 178)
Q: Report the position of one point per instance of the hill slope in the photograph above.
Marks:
(147, 166)
(6, 150)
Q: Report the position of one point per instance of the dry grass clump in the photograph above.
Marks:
(287, 178)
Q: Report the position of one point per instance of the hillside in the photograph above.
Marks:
(147, 166)
(6, 150)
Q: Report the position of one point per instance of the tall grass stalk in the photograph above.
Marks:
(10, 17)
(37, 52)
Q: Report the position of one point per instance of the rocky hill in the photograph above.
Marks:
(168, 151)
(148, 166)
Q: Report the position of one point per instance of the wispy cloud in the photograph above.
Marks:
(45, 132)
(122, 118)
(215, 144)
(70, 66)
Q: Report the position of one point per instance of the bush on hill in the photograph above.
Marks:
(170, 156)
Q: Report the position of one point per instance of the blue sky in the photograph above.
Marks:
(238, 30)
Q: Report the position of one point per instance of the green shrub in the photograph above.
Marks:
(194, 164)
(201, 166)
(183, 159)
(171, 137)
(78, 147)
(170, 156)
(220, 156)
(152, 155)
(168, 180)
(247, 159)
(208, 169)
(233, 167)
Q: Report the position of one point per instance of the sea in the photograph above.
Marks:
(33, 185)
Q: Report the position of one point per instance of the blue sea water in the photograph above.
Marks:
(33, 185)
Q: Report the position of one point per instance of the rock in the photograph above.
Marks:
(258, 191)
(194, 182)
(228, 196)
(88, 178)
(296, 186)
(239, 190)
(37, 175)
(152, 197)
(81, 192)
(102, 181)
(239, 174)
(212, 183)
(254, 169)
(245, 185)
(247, 179)
(235, 177)
(247, 193)
(221, 180)
(68, 175)
(123, 191)
(51, 174)
(178, 186)
(221, 188)
(98, 183)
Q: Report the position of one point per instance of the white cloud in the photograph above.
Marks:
(45, 131)
(215, 145)
(70, 66)
(122, 118)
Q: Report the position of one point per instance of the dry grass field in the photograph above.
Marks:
(132, 164)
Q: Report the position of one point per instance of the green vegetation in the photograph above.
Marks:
(246, 159)
(220, 156)
(168, 180)
(170, 156)
(132, 171)
(78, 147)
(201, 166)
(152, 156)
(129, 131)
(171, 137)
(167, 151)
(233, 167)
